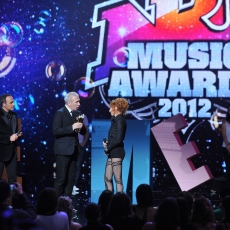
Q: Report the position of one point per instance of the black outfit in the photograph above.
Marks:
(140, 222)
(123, 223)
(116, 153)
(65, 149)
(95, 225)
(26, 209)
(115, 146)
(8, 151)
(10, 217)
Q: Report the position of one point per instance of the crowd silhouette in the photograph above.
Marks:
(113, 211)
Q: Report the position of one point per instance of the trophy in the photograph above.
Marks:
(80, 119)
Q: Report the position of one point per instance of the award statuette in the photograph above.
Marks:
(80, 119)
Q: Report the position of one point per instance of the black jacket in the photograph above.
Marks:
(116, 133)
(6, 146)
(65, 138)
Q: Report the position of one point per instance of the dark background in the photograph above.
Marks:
(67, 37)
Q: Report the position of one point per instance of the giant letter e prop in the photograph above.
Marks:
(178, 155)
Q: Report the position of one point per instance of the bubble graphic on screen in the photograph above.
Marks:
(55, 71)
(11, 34)
(44, 15)
(79, 87)
(24, 101)
(217, 118)
(121, 56)
(41, 23)
(20, 101)
(7, 60)
(3, 33)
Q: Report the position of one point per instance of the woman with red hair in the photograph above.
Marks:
(114, 147)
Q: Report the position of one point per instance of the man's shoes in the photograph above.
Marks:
(74, 192)
(75, 188)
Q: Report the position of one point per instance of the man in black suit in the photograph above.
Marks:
(65, 128)
(8, 137)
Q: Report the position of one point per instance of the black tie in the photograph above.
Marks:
(8, 116)
(72, 115)
(8, 120)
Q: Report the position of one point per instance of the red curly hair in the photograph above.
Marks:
(121, 104)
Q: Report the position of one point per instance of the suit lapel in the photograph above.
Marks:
(4, 119)
(74, 116)
(14, 122)
(68, 115)
(4, 125)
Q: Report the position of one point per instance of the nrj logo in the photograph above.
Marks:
(116, 24)
(162, 49)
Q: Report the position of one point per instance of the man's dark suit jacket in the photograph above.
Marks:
(7, 147)
(65, 138)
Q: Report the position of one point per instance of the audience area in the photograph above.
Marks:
(113, 211)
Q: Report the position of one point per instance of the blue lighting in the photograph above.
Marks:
(64, 93)
(31, 98)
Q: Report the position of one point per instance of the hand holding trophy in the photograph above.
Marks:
(79, 119)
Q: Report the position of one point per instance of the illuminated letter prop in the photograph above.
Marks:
(178, 155)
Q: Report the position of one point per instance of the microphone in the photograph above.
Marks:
(105, 151)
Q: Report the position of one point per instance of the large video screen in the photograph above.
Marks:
(165, 57)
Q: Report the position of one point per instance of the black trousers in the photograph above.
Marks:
(11, 168)
(65, 174)
(80, 157)
(226, 156)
